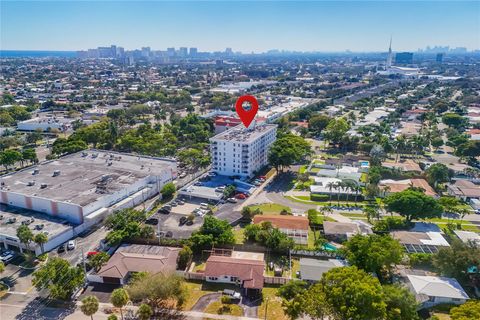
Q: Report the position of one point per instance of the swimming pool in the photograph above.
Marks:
(364, 163)
(329, 247)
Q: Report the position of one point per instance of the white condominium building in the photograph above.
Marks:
(240, 151)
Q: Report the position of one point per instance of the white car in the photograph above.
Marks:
(71, 245)
(232, 200)
(233, 294)
(7, 256)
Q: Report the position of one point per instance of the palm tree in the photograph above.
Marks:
(89, 306)
(40, 239)
(339, 186)
(357, 190)
(330, 186)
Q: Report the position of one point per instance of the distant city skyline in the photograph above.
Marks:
(247, 26)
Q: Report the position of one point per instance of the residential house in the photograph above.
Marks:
(312, 269)
(241, 269)
(430, 290)
(131, 258)
(295, 227)
(389, 186)
(343, 173)
(464, 190)
(467, 236)
(407, 165)
(420, 242)
(341, 231)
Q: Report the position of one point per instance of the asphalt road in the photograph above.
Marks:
(87, 242)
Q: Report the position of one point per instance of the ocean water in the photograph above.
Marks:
(36, 54)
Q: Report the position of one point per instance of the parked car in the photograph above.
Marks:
(152, 221)
(181, 202)
(182, 175)
(182, 221)
(71, 245)
(232, 200)
(7, 256)
(198, 183)
(164, 210)
(211, 174)
(240, 196)
(61, 248)
(232, 294)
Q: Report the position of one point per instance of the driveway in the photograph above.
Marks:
(205, 300)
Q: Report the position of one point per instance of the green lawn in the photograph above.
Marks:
(306, 200)
(302, 169)
(197, 289)
(273, 303)
(217, 307)
(271, 208)
(314, 170)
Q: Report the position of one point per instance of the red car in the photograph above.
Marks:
(91, 253)
(240, 196)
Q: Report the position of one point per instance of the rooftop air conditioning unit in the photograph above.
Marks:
(43, 186)
(56, 173)
(31, 183)
(36, 171)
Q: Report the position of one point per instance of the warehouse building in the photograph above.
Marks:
(84, 187)
(58, 231)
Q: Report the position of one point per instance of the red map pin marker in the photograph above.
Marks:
(246, 115)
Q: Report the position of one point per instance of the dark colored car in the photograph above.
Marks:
(152, 221)
(182, 220)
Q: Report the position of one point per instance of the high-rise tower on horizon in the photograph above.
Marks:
(390, 55)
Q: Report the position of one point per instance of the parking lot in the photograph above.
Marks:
(169, 226)
(188, 207)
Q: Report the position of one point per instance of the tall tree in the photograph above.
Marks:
(59, 278)
(119, 299)
(25, 235)
(438, 173)
(40, 239)
(353, 294)
(336, 130)
(413, 204)
(288, 150)
(158, 290)
(89, 306)
(455, 261)
(9, 157)
(373, 253)
(467, 311)
(401, 303)
(318, 123)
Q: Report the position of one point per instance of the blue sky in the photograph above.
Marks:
(246, 26)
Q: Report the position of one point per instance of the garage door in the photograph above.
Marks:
(111, 280)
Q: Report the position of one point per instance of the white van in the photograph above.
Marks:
(204, 205)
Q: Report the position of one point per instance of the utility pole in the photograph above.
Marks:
(266, 308)
(84, 266)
